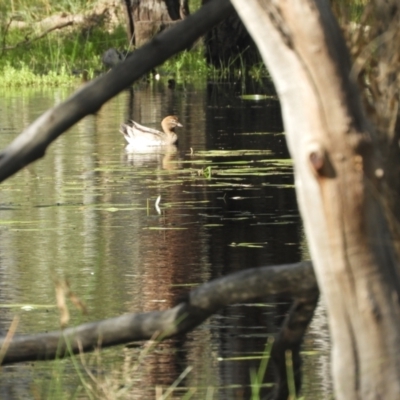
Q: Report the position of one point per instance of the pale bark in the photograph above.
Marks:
(337, 183)
(149, 17)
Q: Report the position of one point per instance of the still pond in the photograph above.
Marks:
(86, 213)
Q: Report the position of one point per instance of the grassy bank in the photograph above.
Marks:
(53, 59)
(33, 55)
(40, 47)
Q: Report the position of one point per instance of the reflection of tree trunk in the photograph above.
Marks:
(340, 182)
(229, 44)
(286, 347)
(146, 18)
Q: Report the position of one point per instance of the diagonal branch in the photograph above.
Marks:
(33, 142)
(298, 280)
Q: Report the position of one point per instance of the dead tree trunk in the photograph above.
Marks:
(229, 44)
(339, 180)
(146, 18)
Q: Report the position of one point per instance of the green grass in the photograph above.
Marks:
(185, 63)
(37, 9)
(22, 77)
(55, 58)
(257, 377)
(93, 377)
(51, 60)
(28, 57)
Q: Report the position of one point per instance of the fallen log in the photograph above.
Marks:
(297, 280)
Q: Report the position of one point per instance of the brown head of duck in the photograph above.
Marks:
(169, 124)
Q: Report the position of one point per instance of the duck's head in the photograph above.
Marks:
(170, 123)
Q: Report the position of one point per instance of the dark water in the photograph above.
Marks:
(86, 213)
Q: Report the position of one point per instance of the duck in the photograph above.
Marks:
(139, 135)
(112, 57)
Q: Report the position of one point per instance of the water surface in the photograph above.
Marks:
(86, 212)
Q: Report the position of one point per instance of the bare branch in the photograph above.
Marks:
(60, 25)
(103, 10)
(295, 279)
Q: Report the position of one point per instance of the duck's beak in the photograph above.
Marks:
(179, 124)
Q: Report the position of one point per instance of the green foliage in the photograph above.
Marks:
(31, 58)
(349, 10)
(37, 9)
(24, 77)
(53, 59)
(186, 63)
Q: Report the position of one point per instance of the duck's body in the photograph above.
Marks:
(139, 135)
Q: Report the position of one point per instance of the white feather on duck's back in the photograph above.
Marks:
(139, 135)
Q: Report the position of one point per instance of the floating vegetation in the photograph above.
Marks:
(243, 358)
(213, 225)
(12, 222)
(28, 307)
(255, 133)
(258, 97)
(111, 209)
(247, 171)
(276, 223)
(164, 228)
(186, 203)
(34, 229)
(206, 172)
(232, 153)
(253, 245)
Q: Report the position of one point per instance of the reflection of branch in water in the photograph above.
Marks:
(298, 280)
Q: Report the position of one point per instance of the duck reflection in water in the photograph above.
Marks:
(139, 136)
